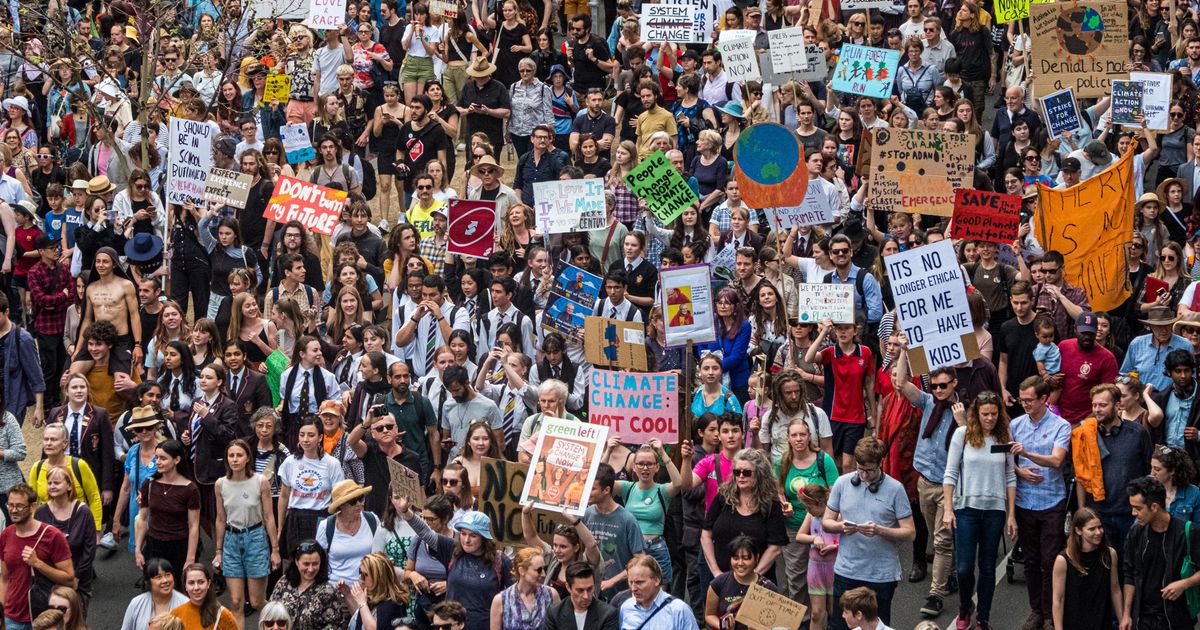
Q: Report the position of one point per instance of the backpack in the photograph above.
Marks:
(309, 292)
(369, 185)
(331, 526)
(36, 473)
(347, 174)
(662, 500)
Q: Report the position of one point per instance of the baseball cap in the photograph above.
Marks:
(1086, 322)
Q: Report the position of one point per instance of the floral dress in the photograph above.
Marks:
(515, 616)
(318, 608)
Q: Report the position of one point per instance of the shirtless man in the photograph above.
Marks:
(112, 298)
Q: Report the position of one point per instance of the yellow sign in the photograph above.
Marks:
(278, 88)
(1090, 224)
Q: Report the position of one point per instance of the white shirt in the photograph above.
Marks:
(510, 316)
(293, 397)
(605, 308)
(311, 481)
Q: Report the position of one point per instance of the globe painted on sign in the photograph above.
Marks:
(1080, 30)
(768, 153)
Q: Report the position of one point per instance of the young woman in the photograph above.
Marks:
(569, 543)
(511, 44)
(713, 396)
(733, 341)
(140, 464)
(803, 463)
(647, 499)
(1174, 470)
(420, 41)
(444, 113)
(589, 158)
(626, 208)
(726, 591)
(710, 169)
(348, 311)
(305, 591)
(202, 610)
(456, 483)
(517, 235)
(205, 346)
(523, 606)
(245, 529)
(171, 327)
(768, 322)
(68, 601)
(664, 359)
(170, 527)
(791, 356)
(1087, 592)
(1148, 222)
(389, 117)
(316, 473)
(258, 334)
(426, 572)
(979, 490)
(226, 253)
(74, 520)
(1170, 269)
(481, 442)
(856, 385)
(161, 598)
(380, 601)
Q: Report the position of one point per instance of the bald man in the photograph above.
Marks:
(1014, 110)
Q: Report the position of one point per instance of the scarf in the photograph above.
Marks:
(940, 407)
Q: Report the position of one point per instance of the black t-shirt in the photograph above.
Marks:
(149, 325)
(1153, 567)
(725, 523)
(489, 195)
(379, 476)
(390, 37)
(587, 73)
(1017, 340)
(494, 96)
(419, 147)
(633, 108)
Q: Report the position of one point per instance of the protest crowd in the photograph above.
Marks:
(513, 315)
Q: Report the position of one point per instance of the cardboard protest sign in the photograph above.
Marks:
(768, 163)
(564, 465)
(914, 170)
(614, 343)
(1009, 10)
(317, 207)
(687, 304)
(675, 21)
(278, 88)
(228, 188)
(1090, 224)
(578, 285)
(1079, 45)
(787, 49)
(562, 203)
(472, 227)
(741, 64)
(817, 208)
(1156, 98)
(636, 407)
(985, 216)
(764, 609)
(723, 263)
(500, 486)
(1061, 113)
(565, 316)
(406, 483)
(663, 188)
(189, 158)
(818, 302)
(866, 70)
(818, 69)
(931, 304)
(297, 146)
(326, 14)
(1126, 102)
(444, 8)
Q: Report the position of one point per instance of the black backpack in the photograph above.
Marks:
(369, 186)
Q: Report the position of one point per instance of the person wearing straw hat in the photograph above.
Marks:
(142, 425)
(485, 104)
(1189, 330)
(491, 188)
(1146, 353)
(349, 533)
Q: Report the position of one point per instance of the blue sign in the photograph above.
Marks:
(1062, 116)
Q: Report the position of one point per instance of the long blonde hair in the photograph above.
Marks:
(384, 585)
(508, 237)
(340, 324)
(235, 316)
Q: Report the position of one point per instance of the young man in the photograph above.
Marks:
(594, 121)
(399, 428)
(615, 306)
(430, 324)
(29, 547)
(330, 169)
(433, 247)
(1084, 366)
(111, 298)
(293, 287)
(504, 312)
(860, 610)
(589, 54)
(107, 388)
(1152, 563)
(616, 531)
(582, 604)
(853, 386)
(653, 118)
(52, 292)
(370, 246)
(247, 388)
(465, 408)
(328, 58)
(422, 141)
(1063, 301)
(1014, 344)
(424, 204)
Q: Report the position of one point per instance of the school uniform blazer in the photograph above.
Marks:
(253, 393)
(600, 616)
(220, 427)
(749, 239)
(95, 442)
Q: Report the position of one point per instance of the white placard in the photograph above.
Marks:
(1156, 98)
(561, 204)
(863, 5)
(818, 69)
(326, 14)
(277, 9)
(189, 157)
(818, 302)
(787, 50)
(815, 210)
(741, 64)
(677, 21)
(931, 301)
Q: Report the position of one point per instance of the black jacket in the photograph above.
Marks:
(95, 442)
(1133, 561)
(220, 427)
(600, 616)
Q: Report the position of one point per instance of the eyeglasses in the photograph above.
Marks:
(19, 507)
(644, 464)
(742, 472)
(941, 386)
(380, 428)
(930, 30)
(274, 623)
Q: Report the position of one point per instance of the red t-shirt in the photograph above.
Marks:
(1081, 371)
(52, 550)
(848, 372)
(25, 238)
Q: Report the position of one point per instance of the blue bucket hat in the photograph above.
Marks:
(475, 522)
(733, 108)
(558, 68)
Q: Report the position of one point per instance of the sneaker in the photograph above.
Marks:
(963, 622)
(952, 584)
(108, 541)
(1033, 622)
(383, 225)
(461, 148)
(933, 606)
(981, 624)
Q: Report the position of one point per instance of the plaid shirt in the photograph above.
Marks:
(46, 293)
(626, 209)
(435, 253)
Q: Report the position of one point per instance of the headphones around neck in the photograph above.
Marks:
(872, 487)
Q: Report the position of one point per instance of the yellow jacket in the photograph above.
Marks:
(1085, 454)
(87, 490)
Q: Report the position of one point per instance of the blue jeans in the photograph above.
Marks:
(884, 592)
(658, 550)
(10, 624)
(978, 533)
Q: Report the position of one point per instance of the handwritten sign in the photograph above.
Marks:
(317, 207)
(787, 50)
(1126, 102)
(564, 465)
(863, 5)
(866, 70)
(472, 227)
(326, 14)
(1156, 98)
(443, 8)
(228, 188)
(819, 302)
(741, 64)
(818, 68)
(406, 483)
(561, 204)
(1009, 10)
(189, 158)
(614, 343)
(764, 609)
(931, 302)
(1062, 115)
(1079, 45)
(278, 88)
(663, 188)
(914, 170)
(636, 407)
(677, 21)
(296, 144)
(687, 304)
(500, 486)
(986, 216)
(817, 208)
(1090, 224)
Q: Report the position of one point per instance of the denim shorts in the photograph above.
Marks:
(246, 554)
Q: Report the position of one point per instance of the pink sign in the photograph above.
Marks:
(317, 207)
(636, 406)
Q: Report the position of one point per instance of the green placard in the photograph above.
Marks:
(663, 188)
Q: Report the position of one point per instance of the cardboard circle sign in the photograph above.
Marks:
(769, 166)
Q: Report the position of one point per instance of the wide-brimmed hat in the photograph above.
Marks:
(1098, 153)
(481, 68)
(99, 185)
(26, 206)
(1167, 183)
(142, 418)
(733, 108)
(486, 160)
(1145, 199)
(143, 247)
(475, 522)
(1160, 316)
(1186, 323)
(79, 183)
(344, 492)
(17, 101)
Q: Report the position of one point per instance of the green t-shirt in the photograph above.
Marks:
(797, 479)
(649, 507)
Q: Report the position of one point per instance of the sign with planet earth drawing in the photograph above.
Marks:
(1079, 45)
(768, 163)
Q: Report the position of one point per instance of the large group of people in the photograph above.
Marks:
(222, 398)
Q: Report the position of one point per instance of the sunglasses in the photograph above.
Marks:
(304, 547)
(742, 472)
(450, 482)
(487, 171)
(940, 386)
(274, 623)
(1176, 114)
(424, 187)
(271, 152)
(839, 252)
(143, 429)
(380, 428)
(441, 626)
(1170, 258)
